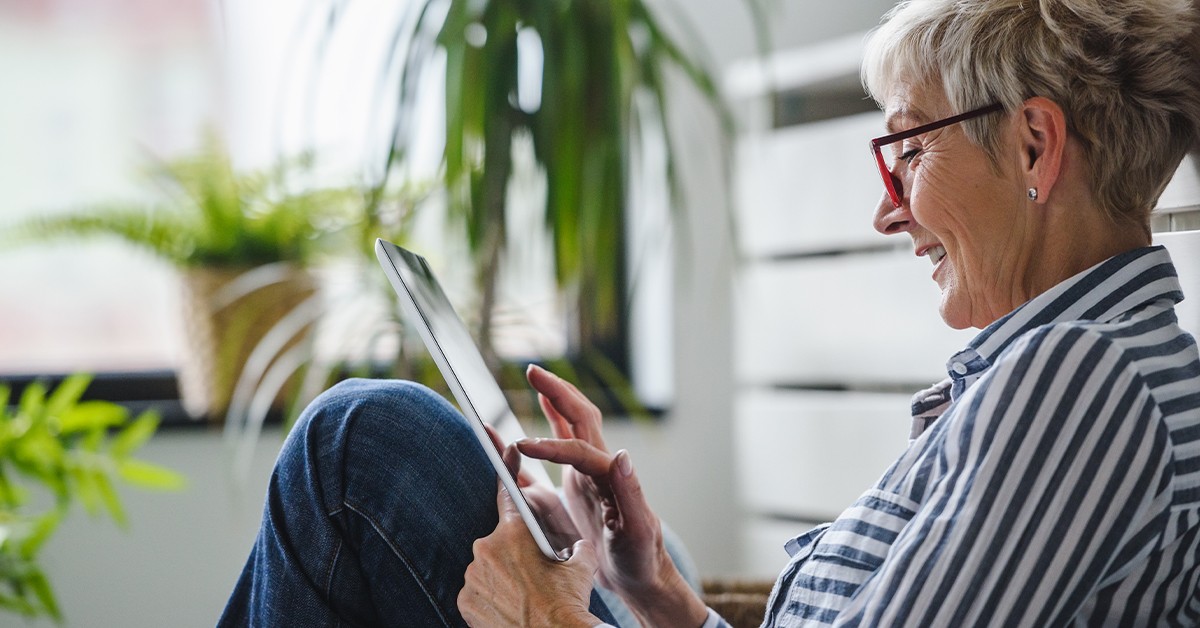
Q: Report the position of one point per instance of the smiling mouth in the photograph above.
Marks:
(936, 253)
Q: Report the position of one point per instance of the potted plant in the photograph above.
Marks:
(243, 241)
(605, 69)
(52, 445)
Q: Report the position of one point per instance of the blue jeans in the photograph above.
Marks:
(379, 491)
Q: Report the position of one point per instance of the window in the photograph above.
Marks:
(101, 91)
(90, 91)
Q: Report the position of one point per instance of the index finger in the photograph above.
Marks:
(584, 457)
(570, 404)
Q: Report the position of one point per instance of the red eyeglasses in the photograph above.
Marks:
(887, 159)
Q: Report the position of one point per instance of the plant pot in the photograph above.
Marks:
(224, 321)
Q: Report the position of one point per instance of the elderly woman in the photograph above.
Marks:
(1053, 479)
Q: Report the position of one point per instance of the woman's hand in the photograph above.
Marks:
(542, 498)
(510, 583)
(607, 505)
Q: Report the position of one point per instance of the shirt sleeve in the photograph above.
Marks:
(1053, 471)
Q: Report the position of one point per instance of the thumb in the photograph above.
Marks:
(583, 554)
(635, 515)
(504, 503)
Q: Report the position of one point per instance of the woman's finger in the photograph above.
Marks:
(505, 506)
(512, 460)
(495, 436)
(583, 457)
(583, 415)
(583, 553)
(558, 425)
(509, 454)
(636, 520)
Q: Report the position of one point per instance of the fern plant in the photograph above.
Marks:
(55, 448)
(245, 241)
(211, 215)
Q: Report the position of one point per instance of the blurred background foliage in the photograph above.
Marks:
(56, 451)
(571, 90)
(204, 213)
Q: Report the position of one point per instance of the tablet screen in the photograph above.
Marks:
(475, 388)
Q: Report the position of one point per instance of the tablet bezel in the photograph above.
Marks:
(394, 260)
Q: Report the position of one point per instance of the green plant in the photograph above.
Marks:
(605, 69)
(60, 449)
(211, 215)
(359, 290)
(244, 241)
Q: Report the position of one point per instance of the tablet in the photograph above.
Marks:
(475, 388)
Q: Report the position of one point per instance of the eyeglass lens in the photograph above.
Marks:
(890, 154)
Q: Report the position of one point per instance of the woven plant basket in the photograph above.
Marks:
(743, 603)
(221, 333)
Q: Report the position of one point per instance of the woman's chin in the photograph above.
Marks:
(952, 311)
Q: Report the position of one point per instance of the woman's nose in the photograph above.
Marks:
(889, 219)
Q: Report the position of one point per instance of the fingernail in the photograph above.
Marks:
(624, 463)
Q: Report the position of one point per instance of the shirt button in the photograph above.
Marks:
(959, 367)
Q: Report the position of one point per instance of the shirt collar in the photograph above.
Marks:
(1104, 292)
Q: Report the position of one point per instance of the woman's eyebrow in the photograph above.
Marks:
(905, 113)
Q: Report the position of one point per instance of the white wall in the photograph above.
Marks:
(182, 555)
(686, 462)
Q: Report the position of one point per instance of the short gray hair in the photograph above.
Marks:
(1125, 72)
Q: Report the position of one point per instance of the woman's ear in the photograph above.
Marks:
(1043, 140)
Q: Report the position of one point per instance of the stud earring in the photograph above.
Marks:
(1033, 194)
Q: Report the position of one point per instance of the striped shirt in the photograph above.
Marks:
(1053, 479)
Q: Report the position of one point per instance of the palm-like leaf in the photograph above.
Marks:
(599, 57)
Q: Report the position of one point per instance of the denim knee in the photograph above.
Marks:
(379, 404)
(379, 429)
(399, 398)
(376, 499)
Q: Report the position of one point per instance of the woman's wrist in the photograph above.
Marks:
(574, 619)
(671, 602)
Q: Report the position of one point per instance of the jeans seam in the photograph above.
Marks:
(337, 553)
(403, 560)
